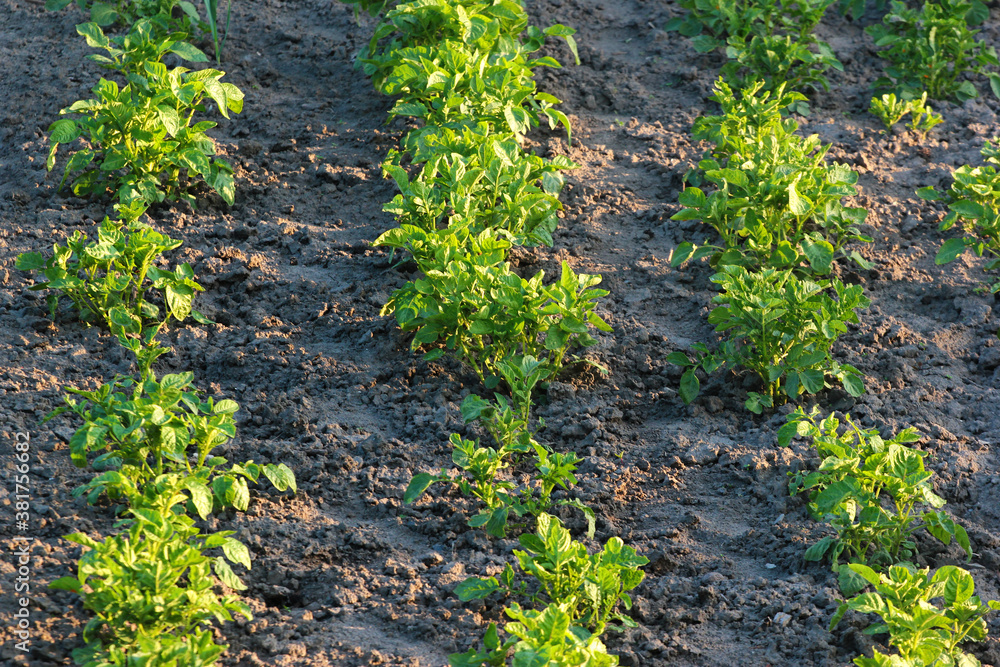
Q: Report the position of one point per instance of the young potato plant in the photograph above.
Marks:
(455, 62)
(774, 59)
(777, 202)
(508, 423)
(890, 111)
(151, 591)
(974, 206)
(116, 272)
(162, 427)
(922, 631)
(780, 327)
(140, 137)
(874, 492)
(471, 304)
(932, 48)
(160, 13)
(581, 592)
(546, 637)
(710, 22)
(493, 184)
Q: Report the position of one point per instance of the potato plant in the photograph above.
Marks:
(491, 183)
(116, 271)
(127, 12)
(508, 423)
(780, 327)
(874, 492)
(932, 48)
(471, 304)
(923, 632)
(890, 111)
(770, 41)
(776, 201)
(464, 62)
(974, 207)
(710, 22)
(140, 135)
(580, 591)
(774, 60)
(151, 590)
(161, 427)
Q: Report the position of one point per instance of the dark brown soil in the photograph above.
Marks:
(344, 574)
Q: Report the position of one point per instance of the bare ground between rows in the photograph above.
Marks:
(343, 573)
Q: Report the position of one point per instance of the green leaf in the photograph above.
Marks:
(281, 476)
(236, 552)
(201, 496)
(819, 253)
(171, 121)
(949, 251)
(833, 495)
(690, 386)
(850, 582)
(798, 204)
(66, 584)
(226, 406)
(994, 83)
(226, 574)
(929, 194)
(817, 551)
(968, 209)
(812, 380)
(853, 384)
(102, 14)
(420, 483)
(30, 261)
(63, 131)
(705, 44)
(787, 432)
(679, 358)
(189, 52)
(476, 588)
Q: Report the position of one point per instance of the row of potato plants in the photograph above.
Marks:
(776, 206)
(461, 72)
(878, 497)
(152, 586)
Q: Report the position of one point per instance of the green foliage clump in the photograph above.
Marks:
(770, 41)
(115, 272)
(974, 207)
(128, 12)
(931, 48)
(580, 592)
(151, 591)
(162, 427)
(890, 111)
(455, 63)
(923, 633)
(508, 423)
(140, 136)
(710, 22)
(484, 180)
(874, 492)
(776, 59)
(780, 327)
(777, 202)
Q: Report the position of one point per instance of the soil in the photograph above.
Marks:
(345, 574)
